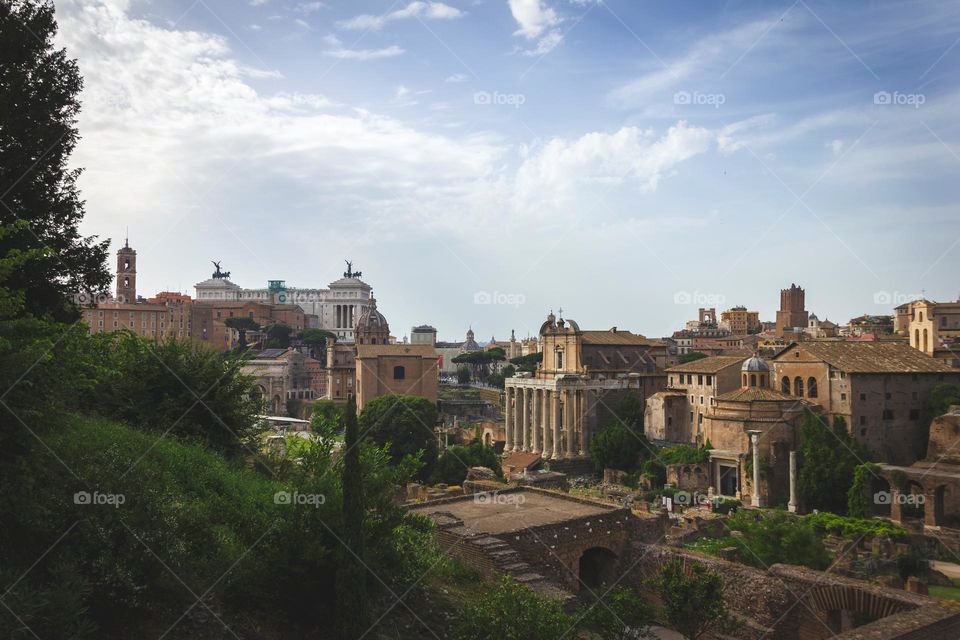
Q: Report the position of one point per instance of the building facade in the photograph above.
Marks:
(555, 412)
(877, 387)
(740, 321)
(792, 316)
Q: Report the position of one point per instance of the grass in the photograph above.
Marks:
(946, 593)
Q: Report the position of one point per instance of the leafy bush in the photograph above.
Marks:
(618, 447)
(453, 464)
(618, 614)
(511, 611)
(692, 598)
(854, 528)
(405, 424)
(775, 536)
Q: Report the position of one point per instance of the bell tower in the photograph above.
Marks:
(127, 273)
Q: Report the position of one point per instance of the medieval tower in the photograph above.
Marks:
(127, 273)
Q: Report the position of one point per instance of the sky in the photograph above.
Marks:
(485, 161)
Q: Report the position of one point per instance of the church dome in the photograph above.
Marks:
(371, 319)
(756, 363)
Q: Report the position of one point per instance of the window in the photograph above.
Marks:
(701, 399)
(559, 357)
(699, 418)
(888, 414)
(753, 379)
(887, 395)
(843, 397)
(863, 432)
(785, 384)
(863, 419)
(700, 379)
(399, 373)
(914, 414)
(709, 380)
(811, 387)
(669, 421)
(863, 396)
(798, 386)
(914, 395)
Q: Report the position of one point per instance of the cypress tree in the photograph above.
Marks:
(351, 577)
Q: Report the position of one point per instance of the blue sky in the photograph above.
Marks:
(628, 161)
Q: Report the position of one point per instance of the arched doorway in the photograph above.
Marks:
(598, 566)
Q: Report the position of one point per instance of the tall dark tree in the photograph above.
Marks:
(242, 324)
(39, 88)
(407, 424)
(351, 579)
(692, 598)
(829, 457)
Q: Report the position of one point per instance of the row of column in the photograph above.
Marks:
(546, 421)
(344, 313)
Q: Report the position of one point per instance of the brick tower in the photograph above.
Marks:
(792, 311)
(127, 273)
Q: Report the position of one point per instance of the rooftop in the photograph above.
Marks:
(615, 336)
(757, 394)
(529, 509)
(707, 365)
(374, 350)
(871, 357)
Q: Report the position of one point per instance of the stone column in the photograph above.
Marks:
(896, 505)
(537, 419)
(755, 489)
(568, 418)
(547, 425)
(792, 505)
(525, 421)
(555, 424)
(508, 428)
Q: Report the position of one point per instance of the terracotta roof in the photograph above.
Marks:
(871, 357)
(757, 394)
(374, 350)
(520, 460)
(707, 365)
(615, 337)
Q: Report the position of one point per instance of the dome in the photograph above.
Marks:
(371, 319)
(756, 363)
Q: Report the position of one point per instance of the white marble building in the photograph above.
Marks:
(336, 308)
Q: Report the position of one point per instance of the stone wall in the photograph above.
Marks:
(689, 477)
(944, 440)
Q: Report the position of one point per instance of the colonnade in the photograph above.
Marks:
(551, 422)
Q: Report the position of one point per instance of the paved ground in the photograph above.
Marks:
(505, 512)
(665, 634)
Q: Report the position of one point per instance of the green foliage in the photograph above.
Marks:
(630, 410)
(693, 356)
(499, 379)
(774, 536)
(277, 335)
(685, 454)
(655, 472)
(855, 528)
(528, 362)
(351, 570)
(692, 598)
(317, 340)
(326, 418)
(619, 614)
(618, 447)
(463, 375)
(452, 465)
(938, 402)
(404, 423)
(829, 458)
(911, 564)
(479, 361)
(513, 612)
(242, 324)
(42, 207)
(177, 387)
(859, 498)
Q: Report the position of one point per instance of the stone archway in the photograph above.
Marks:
(841, 608)
(598, 566)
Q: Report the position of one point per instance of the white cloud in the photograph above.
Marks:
(341, 52)
(533, 16)
(418, 9)
(631, 155)
(309, 7)
(457, 77)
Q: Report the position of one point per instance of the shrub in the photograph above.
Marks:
(511, 611)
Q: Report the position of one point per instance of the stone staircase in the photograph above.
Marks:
(494, 555)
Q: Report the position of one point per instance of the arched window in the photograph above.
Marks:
(744, 379)
(785, 384)
(798, 386)
(559, 356)
(763, 380)
(811, 387)
(916, 338)
(924, 339)
(399, 373)
(753, 379)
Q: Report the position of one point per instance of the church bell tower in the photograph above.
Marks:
(127, 273)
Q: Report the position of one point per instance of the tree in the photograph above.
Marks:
(351, 572)
(691, 357)
(480, 361)
(317, 340)
(630, 410)
(692, 599)
(938, 402)
(528, 362)
(463, 375)
(453, 464)
(617, 447)
(619, 614)
(775, 536)
(829, 457)
(278, 335)
(406, 424)
(39, 89)
(242, 324)
(499, 380)
(514, 612)
(859, 498)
